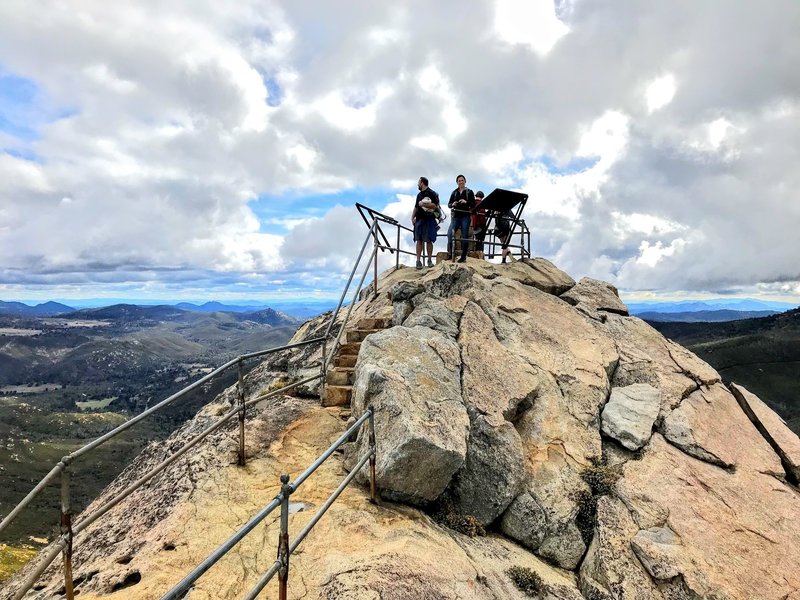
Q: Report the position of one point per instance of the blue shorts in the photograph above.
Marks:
(425, 230)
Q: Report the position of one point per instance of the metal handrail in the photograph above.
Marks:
(66, 460)
(282, 500)
(64, 541)
(68, 531)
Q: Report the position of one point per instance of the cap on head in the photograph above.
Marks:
(479, 194)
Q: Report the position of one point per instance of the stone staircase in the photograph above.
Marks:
(339, 379)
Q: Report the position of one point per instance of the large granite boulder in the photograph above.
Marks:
(724, 519)
(411, 378)
(594, 295)
(498, 394)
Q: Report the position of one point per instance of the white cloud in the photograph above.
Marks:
(650, 254)
(163, 122)
(660, 92)
(530, 22)
(433, 142)
(499, 161)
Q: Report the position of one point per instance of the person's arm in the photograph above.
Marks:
(414, 214)
(470, 199)
(452, 201)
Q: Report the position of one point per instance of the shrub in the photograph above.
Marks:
(448, 515)
(527, 581)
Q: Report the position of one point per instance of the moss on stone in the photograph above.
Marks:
(12, 559)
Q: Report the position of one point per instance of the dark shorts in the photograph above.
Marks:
(425, 230)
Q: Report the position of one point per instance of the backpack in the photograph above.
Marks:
(503, 223)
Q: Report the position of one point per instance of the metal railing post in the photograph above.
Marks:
(375, 280)
(283, 540)
(240, 401)
(324, 366)
(397, 258)
(66, 531)
(372, 491)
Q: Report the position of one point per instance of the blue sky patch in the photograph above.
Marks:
(275, 211)
(576, 165)
(25, 108)
(23, 153)
(274, 91)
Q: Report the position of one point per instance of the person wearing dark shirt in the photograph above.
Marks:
(424, 220)
(462, 201)
(479, 221)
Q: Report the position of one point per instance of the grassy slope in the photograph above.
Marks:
(37, 430)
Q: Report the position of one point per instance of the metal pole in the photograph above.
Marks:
(66, 531)
(372, 494)
(283, 541)
(375, 281)
(240, 400)
(397, 258)
(324, 364)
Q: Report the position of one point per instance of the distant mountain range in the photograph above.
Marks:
(262, 313)
(704, 316)
(732, 304)
(46, 309)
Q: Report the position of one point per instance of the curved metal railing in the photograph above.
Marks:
(285, 549)
(64, 543)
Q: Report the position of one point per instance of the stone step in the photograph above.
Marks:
(358, 335)
(442, 256)
(348, 360)
(374, 323)
(341, 376)
(351, 348)
(337, 395)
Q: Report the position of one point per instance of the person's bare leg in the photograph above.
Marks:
(419, 252)
(430, 251)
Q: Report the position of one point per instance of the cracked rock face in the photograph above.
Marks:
(606, 459)
(551, 382)
(782, 439)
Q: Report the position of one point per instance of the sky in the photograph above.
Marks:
(215, 150)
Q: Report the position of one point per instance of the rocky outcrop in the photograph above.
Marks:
(410, 376)
(605, 461)
(785, 443)
(630, 413)
(593, 295)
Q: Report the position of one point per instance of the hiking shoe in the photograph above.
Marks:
(430, 262)
(419, 264)
(462, 259)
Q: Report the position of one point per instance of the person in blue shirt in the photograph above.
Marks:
(424, 220)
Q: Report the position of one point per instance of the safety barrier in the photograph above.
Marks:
(285, 549)
(68, 530)
(64, 543)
